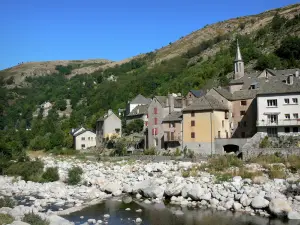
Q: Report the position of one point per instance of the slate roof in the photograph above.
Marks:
(173, 116)
(140, 99)
(225, 93)
(162, 100)
(198, 93)
(283, 72)
(204, 103)
(276, 85)
(139, 110)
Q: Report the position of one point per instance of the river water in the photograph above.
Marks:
(161, 214)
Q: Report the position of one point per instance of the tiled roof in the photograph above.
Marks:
(283, 72)
(174, 116)
(140, 99)
(225, 93)
(162, 100)
(206, 102)
(81, 132)
(244, 94)
(139, 110)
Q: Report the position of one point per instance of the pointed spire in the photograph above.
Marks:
(238, 56)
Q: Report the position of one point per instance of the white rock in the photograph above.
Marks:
(138, 220)
(19, 223)
(229, 204)
(279, 207)
(293, 215)
(106, 216)
(99, 221)
(259, 202)
(91, 221)
(237, 206)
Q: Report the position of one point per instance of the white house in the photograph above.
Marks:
(278, 106)
(83, 138)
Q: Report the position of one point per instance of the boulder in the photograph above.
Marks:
(229, 204)
(153, 191)
(279, 207)
(127, 199)
(293, 215)
(112, 187)
(19, 223)
(237, 206)
(259, 202)
(244, 200)
(138, 220)
(196, 192)
(259, 179)
(174, 189)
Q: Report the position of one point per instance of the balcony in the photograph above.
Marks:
(291, 122)
(170, 136)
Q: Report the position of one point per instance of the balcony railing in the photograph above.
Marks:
(170, 137)
(287, 122)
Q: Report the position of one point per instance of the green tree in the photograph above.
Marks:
(135, 126)
(61, 104)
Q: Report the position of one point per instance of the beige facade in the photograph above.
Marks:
(200, 128)
(84, 140)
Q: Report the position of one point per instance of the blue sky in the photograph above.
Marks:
(39, 30)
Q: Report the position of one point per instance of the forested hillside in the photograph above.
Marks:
(273, 44)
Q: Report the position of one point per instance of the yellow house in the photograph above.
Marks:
(204, 121)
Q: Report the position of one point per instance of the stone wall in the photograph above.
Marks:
(254, 152)
(155, 158)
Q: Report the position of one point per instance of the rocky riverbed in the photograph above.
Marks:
(152, 182)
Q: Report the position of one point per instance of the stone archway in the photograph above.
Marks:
(231, 148)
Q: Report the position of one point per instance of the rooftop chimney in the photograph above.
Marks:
(109, 112)
(183, 102)
(171, 102)
(297, 73)
(290, 79)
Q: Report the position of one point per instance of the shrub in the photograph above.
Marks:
(185, 173)
(29, 170)
(267, 159)
(276, 171)
(7, 202)
(74, 175)
(34, 219)
(219, 163)
(51, 174)
(6, 219)
(150, 151)
(190, 154)
(177, 152)
(265, 142)
(222, 177)
(293, 163)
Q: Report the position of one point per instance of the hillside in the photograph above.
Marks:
(200, 60)
(231, 27)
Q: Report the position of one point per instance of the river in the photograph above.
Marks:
(164, 214)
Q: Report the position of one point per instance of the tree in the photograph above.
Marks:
(277, 22)
(289, 48)
(61, 104)
(268, 61)
(135, 126)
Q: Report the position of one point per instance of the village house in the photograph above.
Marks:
(172, 126)
(83, 139)
(193, 95)
(107, 127)
(278, 108)
(159, 108)
(203, 121)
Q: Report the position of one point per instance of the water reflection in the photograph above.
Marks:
(159, 214)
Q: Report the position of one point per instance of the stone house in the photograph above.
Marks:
(172, 126)
(108, 126)
(83, 139)
(159, 108)
(203, 121)
(194, 94)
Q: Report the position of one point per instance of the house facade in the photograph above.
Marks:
(172, 126)
(108, 126)
(278, 109)
(138, 100)
(139, 112)
(203, 121)
(83, 139)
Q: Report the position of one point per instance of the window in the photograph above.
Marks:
(272, 118)
(193, 123)
(155, 121)
(219, 134)
(239, 124)
(295, 115)
(146, 123)
(89, 138)
(156, 131)
(272, 102)
(240, 69)
(83, 146)
(242, 113)
(193, 135)
(287, 116)
(243, 102)
(192, 114)
(245, 124)
(223, 123)
(155, 110)
(83, 138)
(286, 130)
(243, 134)
(295, 100)
(226, 115)
(286, 101)
(147, 115)
(272, 132)
(295, 129)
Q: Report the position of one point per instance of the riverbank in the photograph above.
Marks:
(182, 183)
